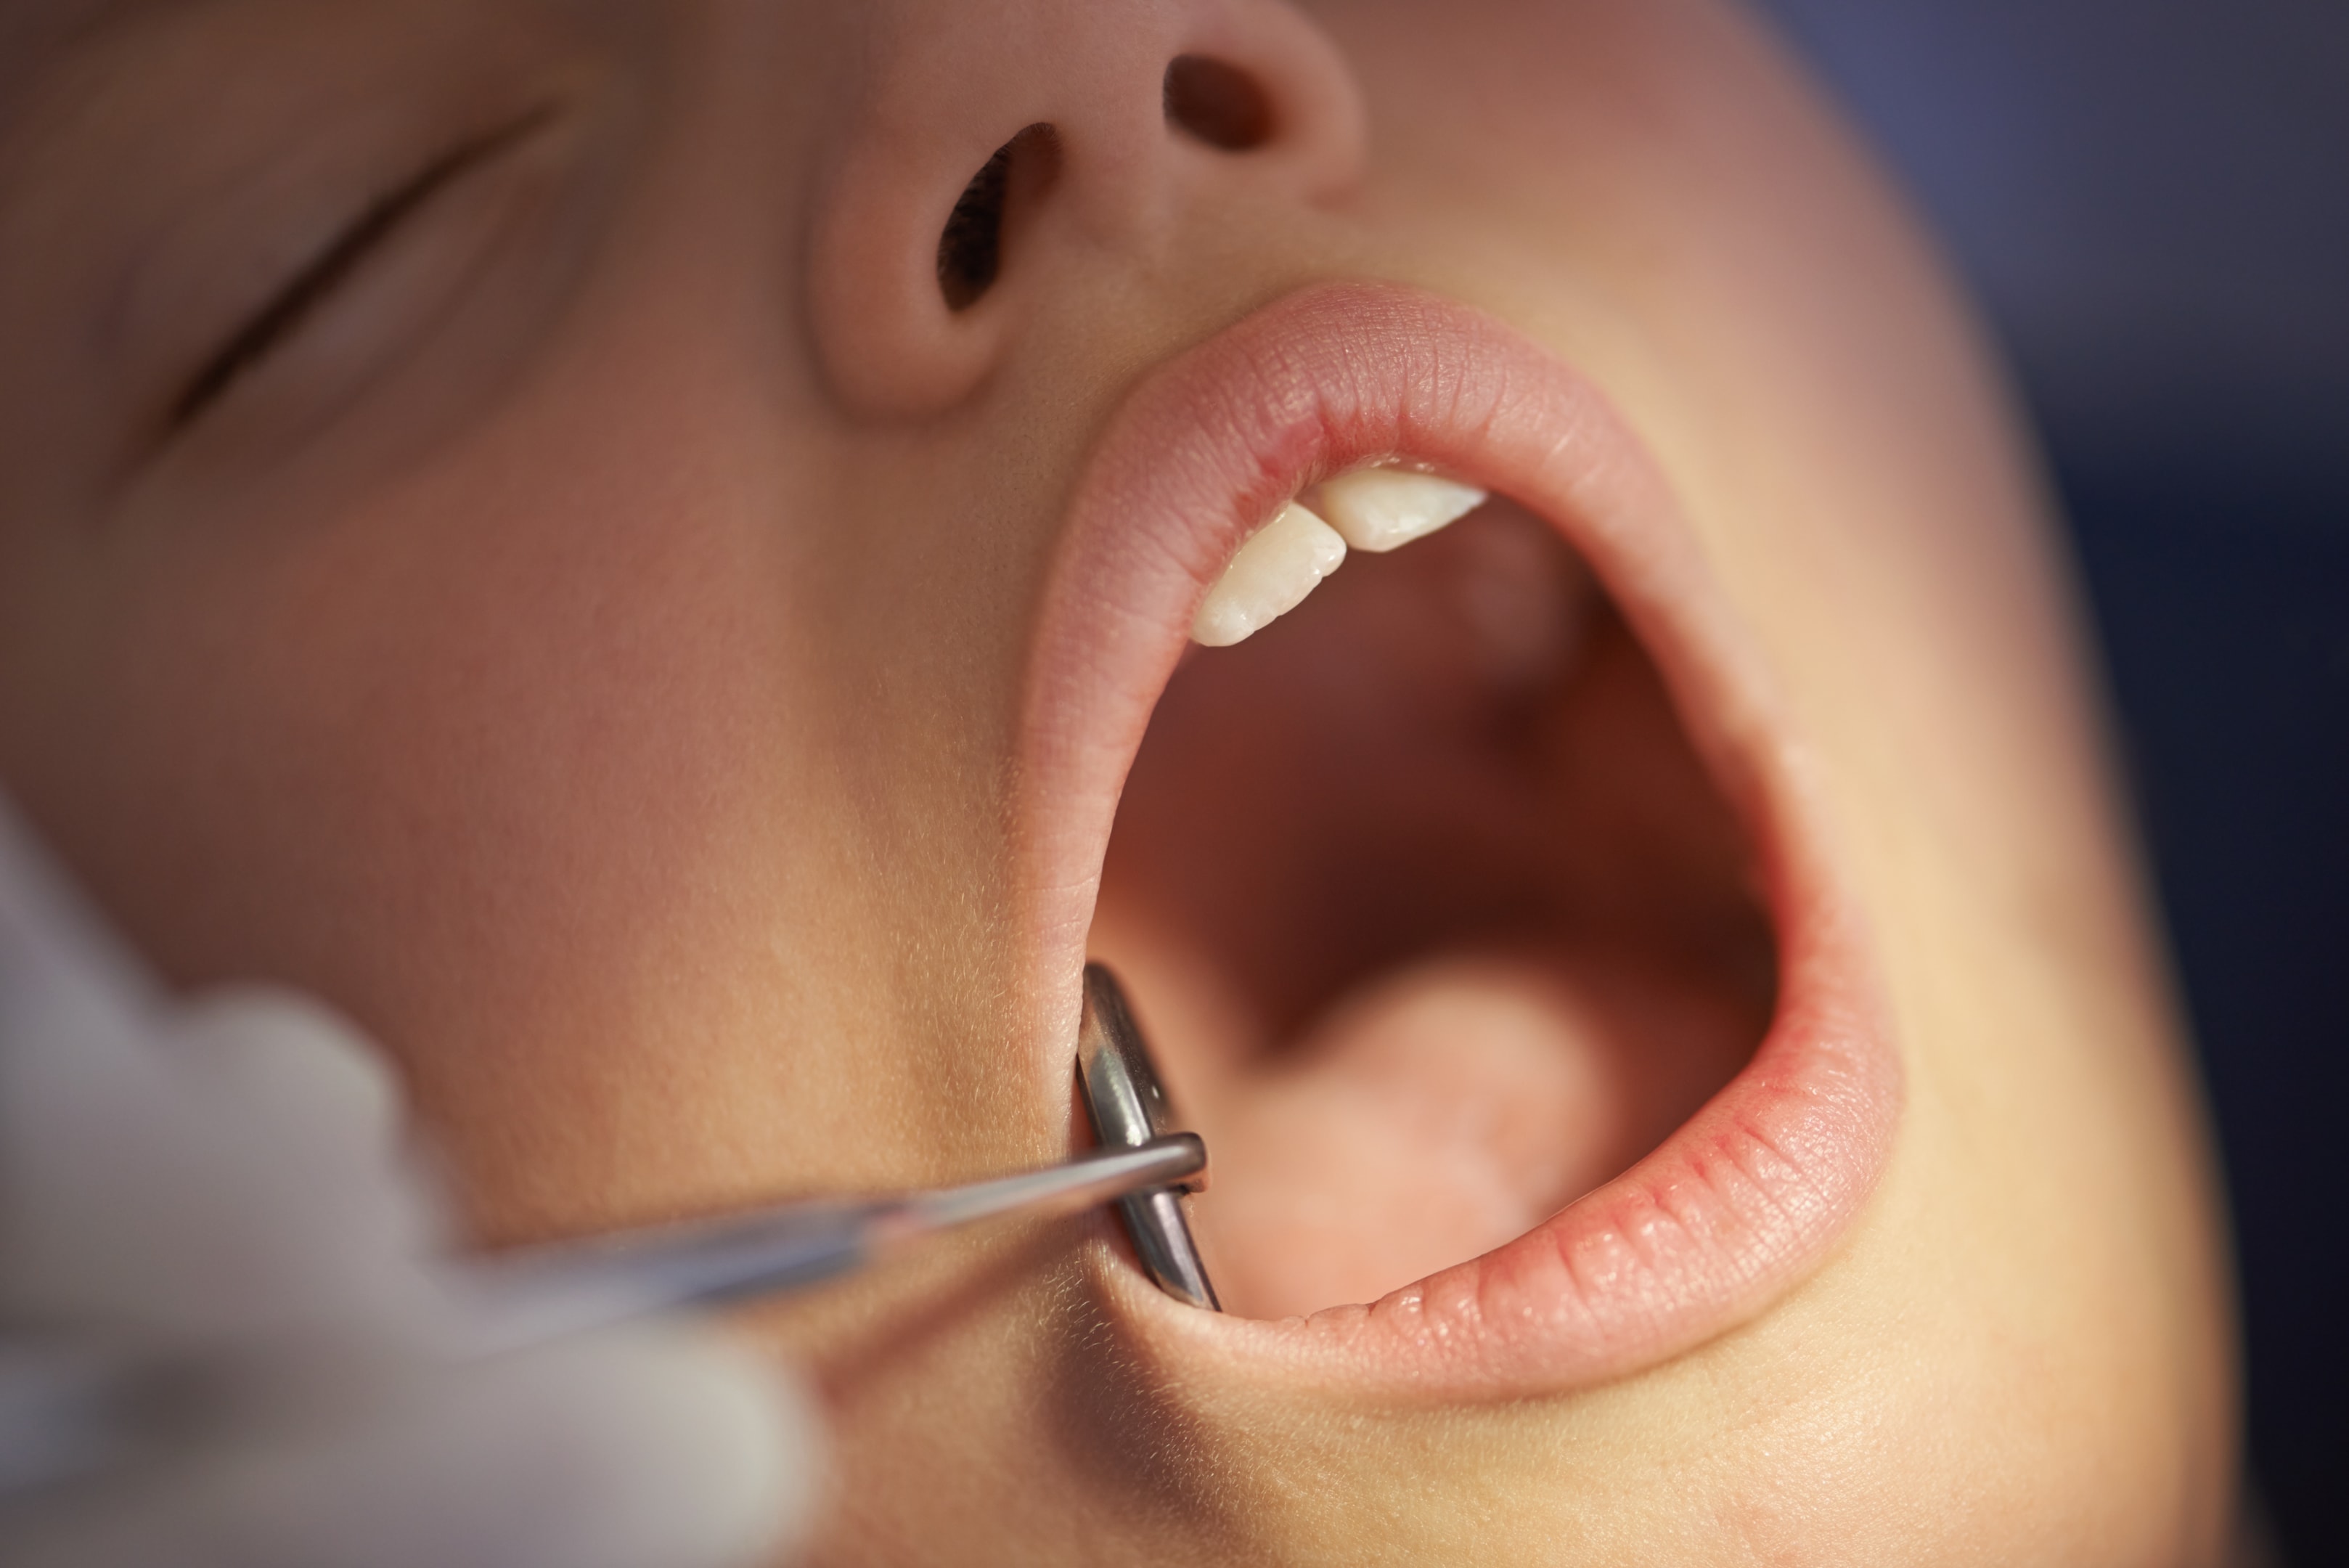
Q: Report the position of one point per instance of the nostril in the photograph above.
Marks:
(1219, 104)
(970, 247)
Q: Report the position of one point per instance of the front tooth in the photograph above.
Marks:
(1271, 575)
(1382, 508)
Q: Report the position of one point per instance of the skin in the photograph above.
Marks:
(589, 652)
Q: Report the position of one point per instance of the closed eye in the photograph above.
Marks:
(293, 305)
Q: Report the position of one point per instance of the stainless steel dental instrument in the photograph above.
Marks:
(1130, 1109)
(71, 1407)
(568, 1286)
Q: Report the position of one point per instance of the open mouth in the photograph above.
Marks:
(1477, 907)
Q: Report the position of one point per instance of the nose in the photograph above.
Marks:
(994, 149)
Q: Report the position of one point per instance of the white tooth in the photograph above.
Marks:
(1279, 565)
(1383, 508)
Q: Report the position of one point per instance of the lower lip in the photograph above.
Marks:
(1749, 1195)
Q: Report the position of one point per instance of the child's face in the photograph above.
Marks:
(499, 524)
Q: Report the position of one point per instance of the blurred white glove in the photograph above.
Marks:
(220, 1185)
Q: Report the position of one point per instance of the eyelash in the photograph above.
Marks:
(283, 315)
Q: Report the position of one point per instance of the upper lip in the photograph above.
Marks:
(1748, 1196)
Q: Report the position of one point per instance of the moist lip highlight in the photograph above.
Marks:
(1745, 1196)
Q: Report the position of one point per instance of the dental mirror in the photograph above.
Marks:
(1128, 1108)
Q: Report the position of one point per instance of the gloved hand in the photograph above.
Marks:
(218, 1190)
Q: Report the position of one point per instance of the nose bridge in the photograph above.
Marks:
(942, 86)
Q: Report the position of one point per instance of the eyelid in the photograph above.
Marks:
(313, 283)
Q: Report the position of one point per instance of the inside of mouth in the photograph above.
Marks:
(1430, 914)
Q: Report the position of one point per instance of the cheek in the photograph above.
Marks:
(502, 769)
(523, 690)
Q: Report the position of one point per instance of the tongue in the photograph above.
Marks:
(1437, 1113)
